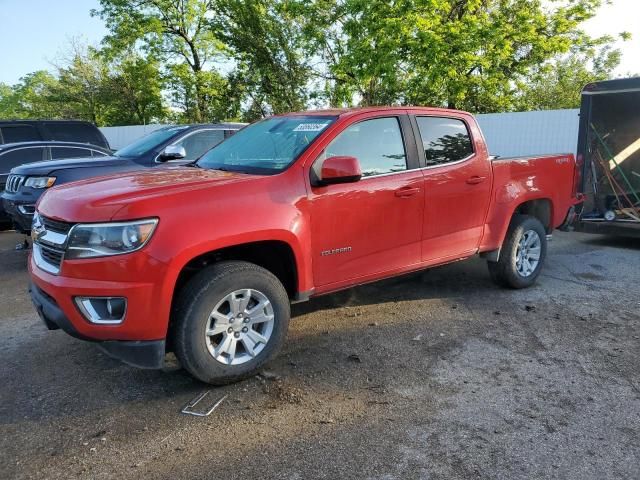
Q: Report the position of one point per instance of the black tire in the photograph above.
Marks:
(195, 304)
(504, 272)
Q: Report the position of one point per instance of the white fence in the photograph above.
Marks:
(507, 134)
(118, 137)
(530, 133)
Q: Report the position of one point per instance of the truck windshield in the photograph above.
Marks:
(267, 147)
(148, 142)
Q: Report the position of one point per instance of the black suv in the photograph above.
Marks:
(180, 144)
(14, 154)
(13, 131)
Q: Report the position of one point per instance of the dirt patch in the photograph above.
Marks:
(279, 391)
(590, 276)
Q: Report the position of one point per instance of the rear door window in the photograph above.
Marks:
(69, 152)
(444, 140)
(19, 133)
(20, 156)
(74, 132)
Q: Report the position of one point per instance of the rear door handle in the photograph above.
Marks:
(407, 192)
(475, 180)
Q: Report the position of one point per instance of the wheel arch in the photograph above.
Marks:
(277, 256)
(540, 208)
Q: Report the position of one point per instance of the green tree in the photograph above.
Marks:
(31, 97)
(265, 40)
(468, 54)
(8, 102)
(107, 91)
(206, 94)
(133, 91)
(81, 91)
(283, 55)
(179, 31)
(558, 84)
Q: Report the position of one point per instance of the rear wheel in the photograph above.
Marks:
(522, 254)
(230, 319)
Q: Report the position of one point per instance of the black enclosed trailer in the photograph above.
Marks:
(609, 155)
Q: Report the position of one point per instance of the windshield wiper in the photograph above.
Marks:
(221, 169)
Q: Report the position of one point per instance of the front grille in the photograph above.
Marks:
(56, 226)
(14, 182)
(50, 255)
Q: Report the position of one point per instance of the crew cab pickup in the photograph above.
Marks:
(205, 259)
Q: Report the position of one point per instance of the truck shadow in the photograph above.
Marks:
(443, 282)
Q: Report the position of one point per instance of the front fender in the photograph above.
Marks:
(298, 247)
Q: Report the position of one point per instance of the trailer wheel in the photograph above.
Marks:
(230, 319)
(522, 255)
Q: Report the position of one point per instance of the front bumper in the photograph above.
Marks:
(138, 353)
(21, 214)
(140, 339)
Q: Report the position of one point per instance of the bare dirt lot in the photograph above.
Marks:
(439, 375)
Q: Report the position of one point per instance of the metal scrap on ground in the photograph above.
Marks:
(188, 408)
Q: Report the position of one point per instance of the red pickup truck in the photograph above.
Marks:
(204, 259)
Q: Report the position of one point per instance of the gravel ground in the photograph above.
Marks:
(439, 375)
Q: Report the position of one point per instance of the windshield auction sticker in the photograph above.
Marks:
(310, 127)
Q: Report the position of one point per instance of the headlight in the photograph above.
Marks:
(104, 239)
(39, 182)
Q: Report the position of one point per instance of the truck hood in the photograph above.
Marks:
(47, 167)
(98, 199)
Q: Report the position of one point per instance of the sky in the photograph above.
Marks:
(35, 32)
(620, 16)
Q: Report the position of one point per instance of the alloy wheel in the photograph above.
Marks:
(528, 253)
(239, 326)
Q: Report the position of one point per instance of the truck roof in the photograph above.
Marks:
(611, 86)
(351, 111)
(42, 120)
(50, 143)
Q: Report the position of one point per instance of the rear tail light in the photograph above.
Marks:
(577, 176)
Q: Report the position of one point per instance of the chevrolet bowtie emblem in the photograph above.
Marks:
(37, 228)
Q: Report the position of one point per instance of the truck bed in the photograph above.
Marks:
(532, 178)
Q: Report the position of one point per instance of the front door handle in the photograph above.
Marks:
(475, 180)
(407, 192)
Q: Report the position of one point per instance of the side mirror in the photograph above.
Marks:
(340, 170)
(173, 152)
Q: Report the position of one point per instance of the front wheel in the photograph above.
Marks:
(522, 254)
(230, 319)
